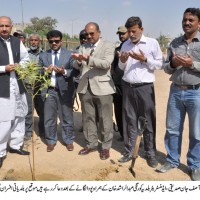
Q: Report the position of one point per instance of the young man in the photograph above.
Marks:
(59, 63)
(183, 64)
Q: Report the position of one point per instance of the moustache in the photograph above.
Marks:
(187, 26)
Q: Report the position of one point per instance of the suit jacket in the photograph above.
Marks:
(65, 82)
(97, 70)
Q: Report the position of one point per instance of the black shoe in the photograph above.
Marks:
(151, 161)
(165, 168)
(195, 174)
(125, 158)
(19, 151)
(1, 160)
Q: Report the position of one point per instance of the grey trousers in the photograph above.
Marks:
(51, 111)
(91, 107)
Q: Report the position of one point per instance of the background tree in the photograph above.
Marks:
(41, 26)
(163, 41)
(46, 24)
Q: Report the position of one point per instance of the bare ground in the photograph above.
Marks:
(62, 165)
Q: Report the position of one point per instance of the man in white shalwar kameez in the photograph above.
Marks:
(13, 104)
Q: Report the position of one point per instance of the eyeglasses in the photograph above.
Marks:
(91, 33)
(52, 41)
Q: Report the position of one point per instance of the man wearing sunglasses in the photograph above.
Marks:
(95, 90)
(58, 97)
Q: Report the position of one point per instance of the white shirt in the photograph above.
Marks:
(53, 74)
(16, 105)
(136, 71)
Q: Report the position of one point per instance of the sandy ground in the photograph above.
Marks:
(62, 165)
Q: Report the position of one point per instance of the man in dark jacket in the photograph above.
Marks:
(58, 97)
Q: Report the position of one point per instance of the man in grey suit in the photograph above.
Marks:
(58, 97)
(95, 90)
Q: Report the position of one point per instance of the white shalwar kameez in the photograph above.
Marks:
(13, 109)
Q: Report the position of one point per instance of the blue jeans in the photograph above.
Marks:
(181, 102)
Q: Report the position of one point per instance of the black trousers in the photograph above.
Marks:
(138, 101)
(117, 101)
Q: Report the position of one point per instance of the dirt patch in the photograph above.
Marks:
(62, 165)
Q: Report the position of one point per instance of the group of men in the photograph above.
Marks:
(123, 76)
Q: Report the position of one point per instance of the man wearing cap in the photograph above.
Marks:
(20, 34)
(117, 74)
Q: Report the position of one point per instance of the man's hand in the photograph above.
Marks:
(49, 69)
(10, 67)
(138, 56)
(80, 57)
(59, 69)
(179, 60)
(123, 56)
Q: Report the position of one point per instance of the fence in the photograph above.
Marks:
(71, 45)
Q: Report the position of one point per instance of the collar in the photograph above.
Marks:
(95, 45)
(196, 37)
(52, 51)
(143, 39)
(5, 40)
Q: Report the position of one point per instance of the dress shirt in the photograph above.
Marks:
(53, 74)
(184, 75)
(140, 72)
(93, 46)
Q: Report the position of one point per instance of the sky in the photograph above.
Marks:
(158, 16)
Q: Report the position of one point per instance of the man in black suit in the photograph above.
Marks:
(58, 97)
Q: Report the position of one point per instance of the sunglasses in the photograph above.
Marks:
(91, 33)
(52, 41)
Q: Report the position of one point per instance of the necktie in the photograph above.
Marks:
(92, 50)
(56, 64)
(56, 59)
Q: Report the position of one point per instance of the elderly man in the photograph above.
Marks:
(34, 50)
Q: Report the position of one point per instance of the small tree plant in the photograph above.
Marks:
(30, 73)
